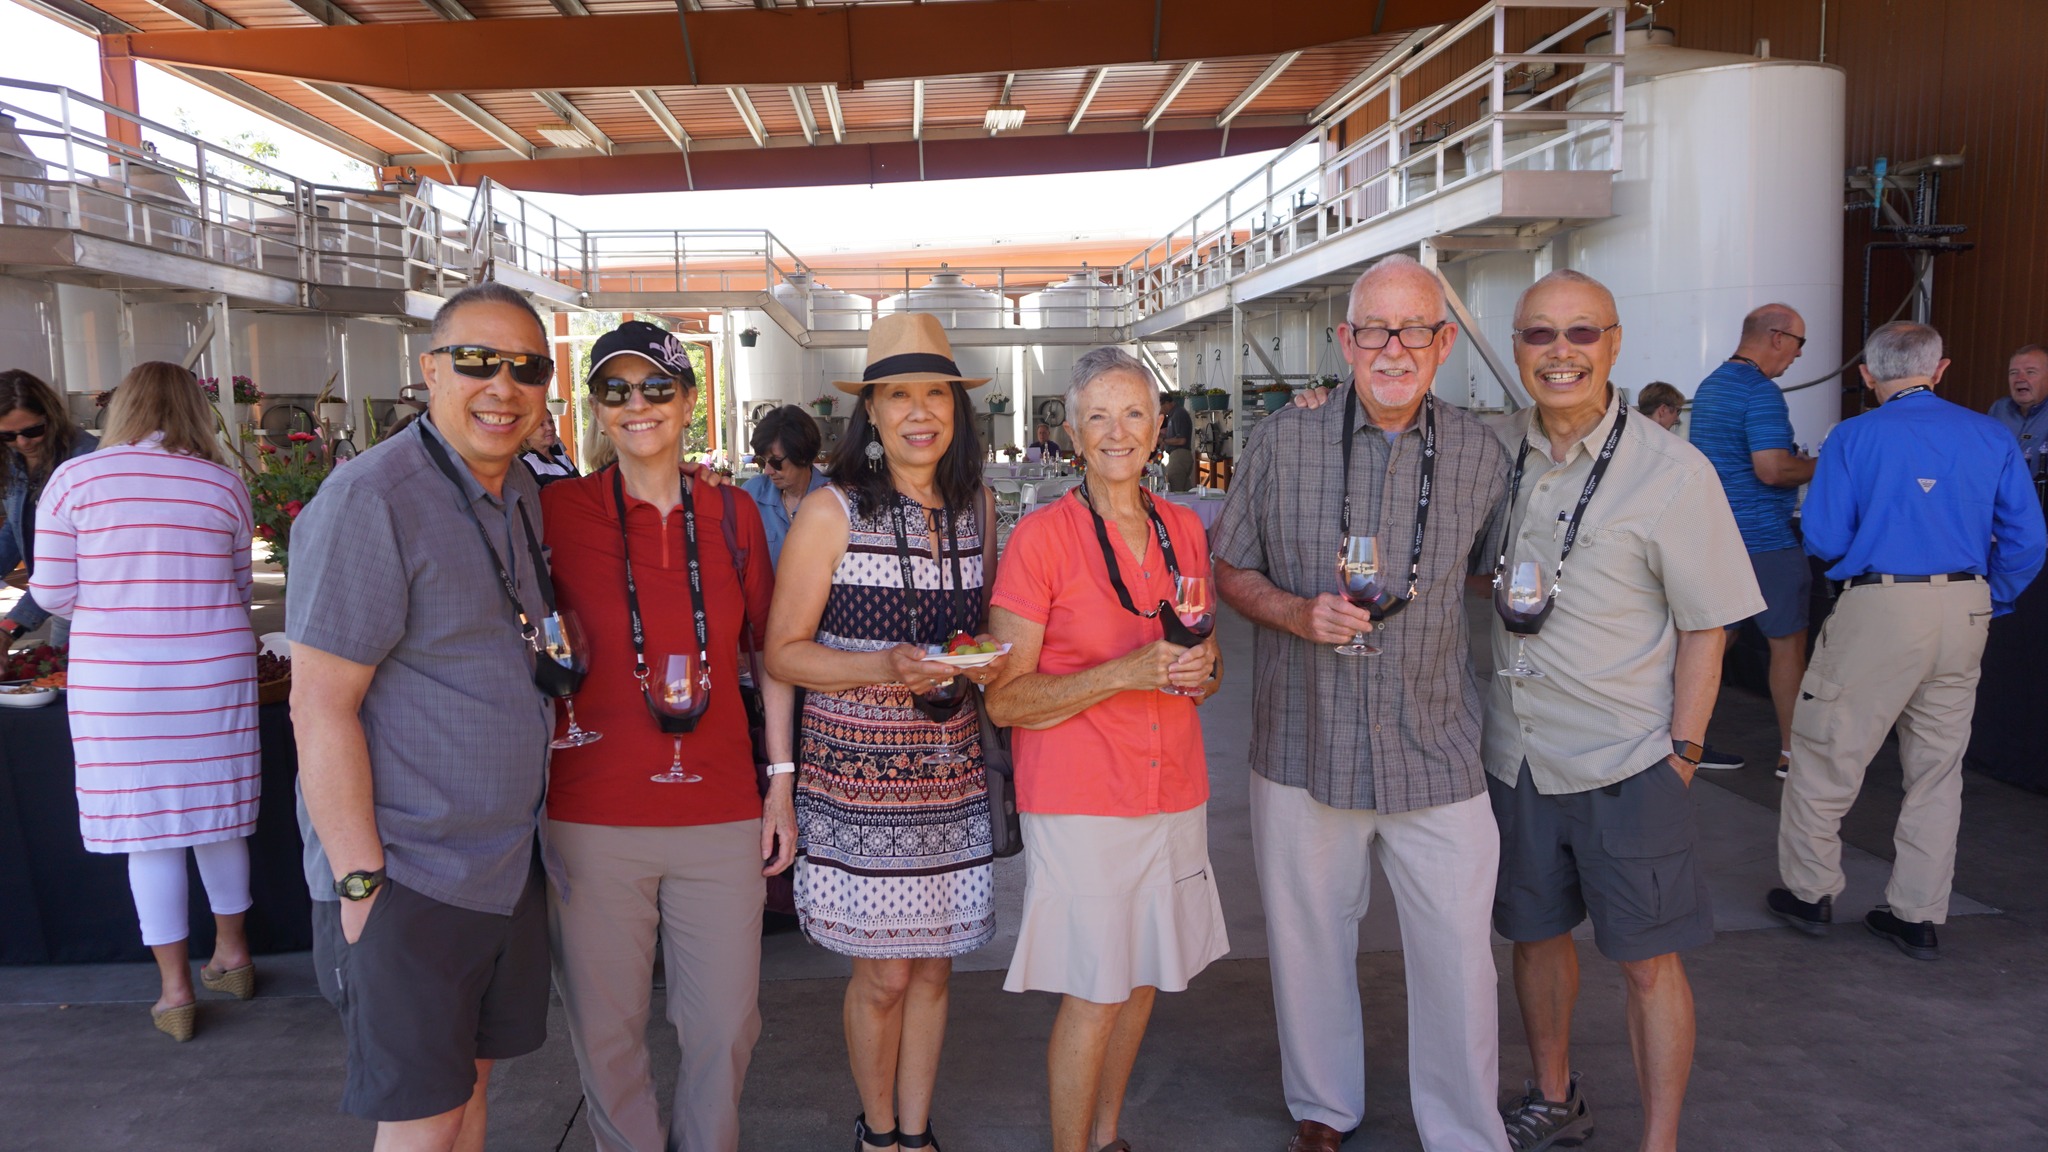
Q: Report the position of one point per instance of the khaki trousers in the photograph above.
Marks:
(1315, 880)
(701, 889)
(1180, 469)
(1891, 653)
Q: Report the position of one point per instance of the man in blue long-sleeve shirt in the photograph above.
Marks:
(1926, 511)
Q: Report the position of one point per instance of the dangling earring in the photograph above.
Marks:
(874, 449)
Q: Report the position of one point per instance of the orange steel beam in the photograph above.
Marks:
(117, 87)
(843, 44)
(872, 163)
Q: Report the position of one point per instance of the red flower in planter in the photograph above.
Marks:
(302, 437)
(291, 508)
(263, 530)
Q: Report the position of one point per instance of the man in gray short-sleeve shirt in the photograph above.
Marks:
(423, 741)
(1589, 767)
(1350, 752)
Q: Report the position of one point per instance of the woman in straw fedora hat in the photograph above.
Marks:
(892, 808)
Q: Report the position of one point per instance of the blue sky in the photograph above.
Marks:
(1142, 204)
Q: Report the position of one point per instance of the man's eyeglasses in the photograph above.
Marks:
(614, 392)
(1789, 336)
(32, 432)
(479, 362)
(1543, 336)
(1413, 336)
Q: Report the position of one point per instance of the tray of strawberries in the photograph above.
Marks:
(41, 667)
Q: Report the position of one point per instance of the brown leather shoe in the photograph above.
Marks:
(1310, 1136)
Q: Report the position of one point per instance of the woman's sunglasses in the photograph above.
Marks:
(481, 363)
(32, 432)
(614, 392)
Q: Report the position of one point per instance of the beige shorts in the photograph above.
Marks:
(1113, 903)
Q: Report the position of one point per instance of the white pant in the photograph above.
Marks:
(1315, 879)
(158, 881)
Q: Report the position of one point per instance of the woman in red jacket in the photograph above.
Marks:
(655, 828)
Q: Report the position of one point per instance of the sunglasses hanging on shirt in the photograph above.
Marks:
(944, 701)
(558, 666)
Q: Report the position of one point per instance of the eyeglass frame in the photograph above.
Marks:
(1800, 340)
(1563, 333)
(32, 432)
(496, 359)
(1393, 336)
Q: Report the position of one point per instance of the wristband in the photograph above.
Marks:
(783, 769)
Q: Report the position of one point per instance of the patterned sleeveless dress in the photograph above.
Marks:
(894, 856)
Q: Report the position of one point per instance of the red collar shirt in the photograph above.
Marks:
(608, 782)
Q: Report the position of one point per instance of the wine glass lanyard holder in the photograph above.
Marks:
(1176, 632)
(1424, 483)
(669, 723)
(953, 612)
(1571, 530)
(549, 676)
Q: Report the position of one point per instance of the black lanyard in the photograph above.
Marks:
(640, 669)
(1902, 393)
(1424, 484)
(1571, 531)
(1116, 576)
(910, 580)
(507, 577)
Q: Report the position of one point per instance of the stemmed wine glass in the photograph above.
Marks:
(1358, 574)
(682, 694)
(561, 640)
(1195, 608)
(1521, 609)
(939, 705)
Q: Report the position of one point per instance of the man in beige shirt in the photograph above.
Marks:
(1590, 763)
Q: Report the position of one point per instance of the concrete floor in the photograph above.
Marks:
(1833, 1044)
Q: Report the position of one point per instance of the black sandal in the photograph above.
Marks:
(866, 1137)
(923, 1139)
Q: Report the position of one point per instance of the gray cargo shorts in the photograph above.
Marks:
(1625, 855)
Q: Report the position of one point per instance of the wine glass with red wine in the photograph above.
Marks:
(1365, 586)
(1194, 605)
(1522, 605)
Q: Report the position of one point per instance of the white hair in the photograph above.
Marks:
(1398, 261)
(1108, 360)
(1902, 350)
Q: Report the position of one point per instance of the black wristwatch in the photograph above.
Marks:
(1688, 751)
(359, 885)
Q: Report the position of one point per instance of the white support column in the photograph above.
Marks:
(220, 358)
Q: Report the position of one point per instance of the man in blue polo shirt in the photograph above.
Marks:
(1741, 423)
(1925, 510)
(2024, 411)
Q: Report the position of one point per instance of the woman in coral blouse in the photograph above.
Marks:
(656, 830)
(1119, 899)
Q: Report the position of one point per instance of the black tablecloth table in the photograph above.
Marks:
(62, 904)
(2009, 737)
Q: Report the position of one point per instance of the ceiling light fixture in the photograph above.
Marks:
(1003, 118)
(565, 136)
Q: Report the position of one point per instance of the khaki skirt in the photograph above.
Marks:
(1113, 903)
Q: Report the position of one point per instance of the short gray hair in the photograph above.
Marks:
(1395, 262)
(1108, 361)
(1902, 350)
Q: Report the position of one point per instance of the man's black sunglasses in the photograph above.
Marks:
(32, 432)
(480, 362)
(614, 392)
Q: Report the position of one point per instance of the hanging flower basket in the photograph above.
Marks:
(1273, 401)
(748, 336)
(557, 406)
(823, 405)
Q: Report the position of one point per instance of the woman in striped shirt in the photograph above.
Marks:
(145, 546)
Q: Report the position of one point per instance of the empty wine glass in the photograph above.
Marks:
(1358, 576)
(1521, 609)
(561, 640)
(682, 694)
(1195, 608)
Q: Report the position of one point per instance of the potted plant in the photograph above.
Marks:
(998, 404)
(244, 396)
(333, 413)
(1011, 451)
(1219, 399)
(748, 336)
(1275, 397)
(281, 490)
(824, 403)
(557, 406)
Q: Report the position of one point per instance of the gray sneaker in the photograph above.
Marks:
(1535, 1124)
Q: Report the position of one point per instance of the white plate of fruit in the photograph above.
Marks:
(963, 651)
